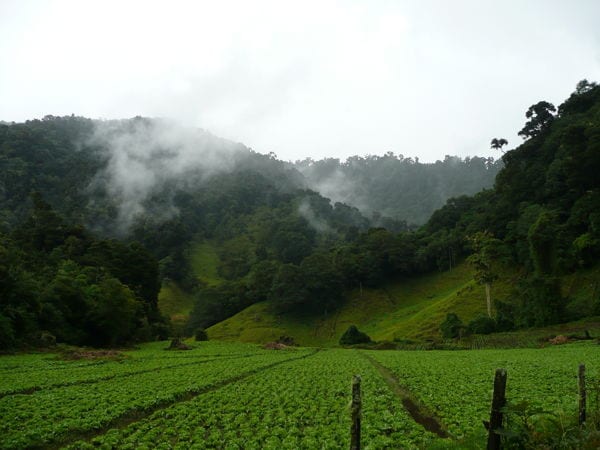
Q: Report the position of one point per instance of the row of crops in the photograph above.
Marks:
(458, 385)
(236, 396)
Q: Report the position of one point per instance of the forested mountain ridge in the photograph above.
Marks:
(147, 182)
(398, 187)
(164, 186)
(539, 226)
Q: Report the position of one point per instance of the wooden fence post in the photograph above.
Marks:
(356, 413)
(498, 402)
(582, 394)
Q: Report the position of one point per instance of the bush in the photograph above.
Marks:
(451, 327)
(47, 339)
(201, 335)
(287, 340)
(7, 334)
(354, 336)
(481, 325)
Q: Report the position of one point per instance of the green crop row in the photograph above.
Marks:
(302, 404)
(50, 415)
(40, 371)
(458, 385)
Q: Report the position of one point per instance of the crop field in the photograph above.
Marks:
(240, 396)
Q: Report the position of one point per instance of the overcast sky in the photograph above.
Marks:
(303, 78)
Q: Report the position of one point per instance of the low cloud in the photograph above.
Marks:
(146, 155)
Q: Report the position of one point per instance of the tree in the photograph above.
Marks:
(584, 86)
(497, 144)
(451, 327)
(483, 259)
(540, 116)
(354, 336)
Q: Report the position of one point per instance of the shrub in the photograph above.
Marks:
(201, 335)
(353, 336)
(451, 327)
(481, 325)
(287, 340)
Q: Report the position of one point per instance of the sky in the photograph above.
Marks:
(304, 78)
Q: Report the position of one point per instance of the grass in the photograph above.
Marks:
(176, 303)
(204, 260)
(412, 310)
(405, 309)
(173, 300)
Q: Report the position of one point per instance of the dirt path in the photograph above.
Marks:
(417, 411)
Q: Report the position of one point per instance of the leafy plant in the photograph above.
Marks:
(353, 336)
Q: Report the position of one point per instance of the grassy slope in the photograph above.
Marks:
(406, 309)
(204, 260)
(176, 303)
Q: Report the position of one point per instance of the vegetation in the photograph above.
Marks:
(58, 280)
(395, 191)
(227, 395)
(201, 335)
(243, 231)
(354, 336)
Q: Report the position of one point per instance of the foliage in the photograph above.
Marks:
(458, 385)
(59, 279)
(497, 144)
(484, 259)
(201, 335)
(353, 336)
(230, 394)
(540, 302)
(540, 116)
(271, 238)
(451, 327)
(395, 190)
(481, 325)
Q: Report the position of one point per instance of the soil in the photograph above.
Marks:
(418, 412)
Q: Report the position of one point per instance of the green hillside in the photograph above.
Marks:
(176, 303)
(409, 309)
(204, 262)
(405, 309)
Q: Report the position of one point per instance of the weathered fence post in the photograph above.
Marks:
(498, 402)
(582, 394)
(356, 413)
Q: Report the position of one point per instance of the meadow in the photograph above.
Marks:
(234, 396)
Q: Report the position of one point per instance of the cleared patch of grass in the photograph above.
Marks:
(204, 260)
(176, 303)
(172, 300)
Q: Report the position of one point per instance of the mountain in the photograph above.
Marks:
(531, 240)
(89, 208)
(400, 188)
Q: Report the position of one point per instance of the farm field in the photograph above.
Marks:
(234, 396)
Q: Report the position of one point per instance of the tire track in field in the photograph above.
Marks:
(33, 389)
(132, 416)
(417, 411)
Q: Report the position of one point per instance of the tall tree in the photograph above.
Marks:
(497, 144)
(483, 260)
(540, 116)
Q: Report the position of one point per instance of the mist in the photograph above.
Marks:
(145, 156)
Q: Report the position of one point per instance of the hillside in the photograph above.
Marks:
(144, 203)
(405, 309)
(392, 186)
(408, 310)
